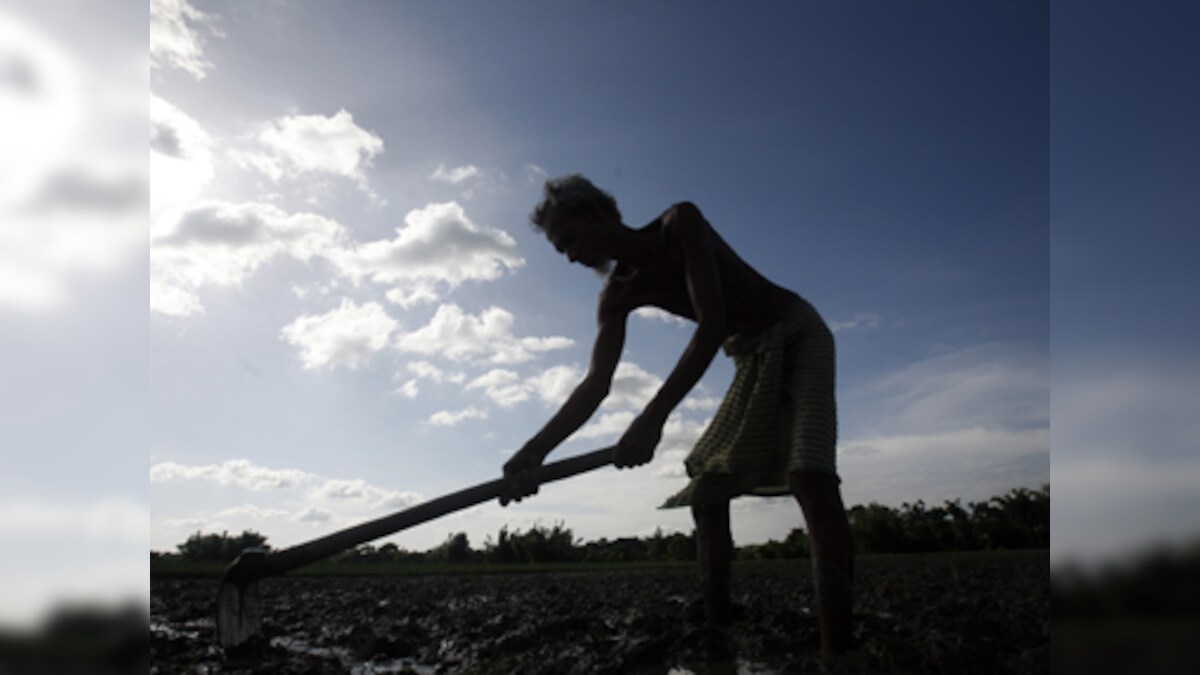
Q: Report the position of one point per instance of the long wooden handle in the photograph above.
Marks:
(300, 555)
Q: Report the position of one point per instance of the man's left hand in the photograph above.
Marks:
(636, 447)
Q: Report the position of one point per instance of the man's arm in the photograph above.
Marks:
(694, 234)
(579, 406)
(591, 392)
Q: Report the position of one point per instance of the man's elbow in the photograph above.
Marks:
(687, 212)
(593, 390)
(711, 331)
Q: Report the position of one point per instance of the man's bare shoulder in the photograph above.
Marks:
(684, 220)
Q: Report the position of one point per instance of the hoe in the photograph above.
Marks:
(239, 607)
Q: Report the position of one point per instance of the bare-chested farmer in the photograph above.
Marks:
(775, 432)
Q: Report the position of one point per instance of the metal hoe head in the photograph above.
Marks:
(239, 605)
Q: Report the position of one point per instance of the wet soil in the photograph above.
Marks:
(913, 614)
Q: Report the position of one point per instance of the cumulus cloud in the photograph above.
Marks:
(245, 474)
(608, 425)
(365, 493)
(409, 389)
(437, 244)
(215, 242)
(656, 314)
(554, 385)
(428, 371)
(417, 295)
(347, 336)
(455, 175)
(706, 403)
(314, 515)
(502, 386)
(177, 37)
(239, 472)
(180, 156)
(298, 144)
(447, 418)
(632, 387)
(456, 335)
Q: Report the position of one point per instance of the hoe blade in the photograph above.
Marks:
(239, 613)
(239, 605)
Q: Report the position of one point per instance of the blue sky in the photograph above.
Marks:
(350, 311)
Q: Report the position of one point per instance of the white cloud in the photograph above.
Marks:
(607, 425)
(656, 314)
(299, 144)
(168, 300)
(437, 244)
(269, 165)
(555, 384)
(409, 389)
(455, 175)
(239, 472)
(417, 295)
(456, 335)
(180, 156)
(632, 387)
(251, 512)
(364, 493)
(446, 418)
(243, 473)
(428, 371)
(176, 39)
(221, 243)
(502, 386)
(314, 515)
(706, 403)
(347, 336)
(860, 320)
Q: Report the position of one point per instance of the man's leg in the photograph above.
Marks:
(714, 551)
(832, 554)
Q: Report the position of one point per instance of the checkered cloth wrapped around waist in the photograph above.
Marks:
(778, 416)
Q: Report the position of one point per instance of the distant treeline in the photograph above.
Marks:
(1019, 519)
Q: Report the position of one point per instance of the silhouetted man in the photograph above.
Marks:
(776, 430)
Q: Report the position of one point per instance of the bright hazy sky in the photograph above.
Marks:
(351, 313)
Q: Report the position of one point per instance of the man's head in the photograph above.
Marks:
(578, 218)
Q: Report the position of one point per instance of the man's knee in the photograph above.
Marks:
(711, 515)
(815, 489)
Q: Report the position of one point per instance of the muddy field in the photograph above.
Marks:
(980, 613)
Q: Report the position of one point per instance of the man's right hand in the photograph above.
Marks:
(520, 476)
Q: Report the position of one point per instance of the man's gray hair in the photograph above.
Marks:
(573, 195)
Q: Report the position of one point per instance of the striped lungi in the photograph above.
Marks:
(779, 415)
